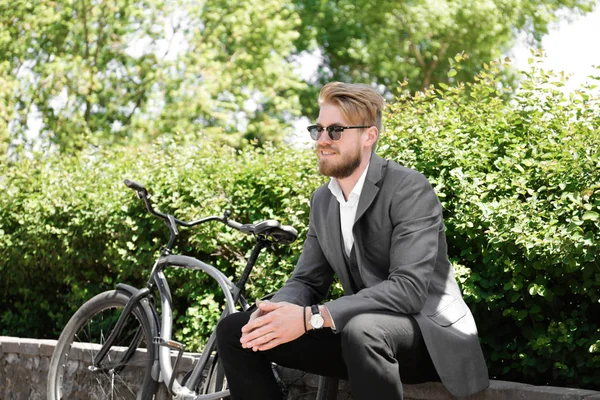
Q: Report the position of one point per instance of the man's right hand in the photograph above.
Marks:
(275, 324)
(258, 312)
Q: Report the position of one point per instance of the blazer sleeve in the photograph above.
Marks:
(417, 223)
(312, 277)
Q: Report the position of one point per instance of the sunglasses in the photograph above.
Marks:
(334, 132)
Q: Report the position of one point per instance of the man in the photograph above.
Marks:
(378, 226)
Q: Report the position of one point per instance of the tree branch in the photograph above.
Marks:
(85, 29)
(100, 42)
(417, 53)
(429, 71)
(412, 46)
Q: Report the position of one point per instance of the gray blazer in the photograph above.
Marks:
(401, 252)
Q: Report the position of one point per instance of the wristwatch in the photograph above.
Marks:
(316, 319)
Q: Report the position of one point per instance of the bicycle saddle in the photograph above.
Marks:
(284, 234)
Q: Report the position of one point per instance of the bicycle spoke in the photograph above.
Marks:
(123, 374)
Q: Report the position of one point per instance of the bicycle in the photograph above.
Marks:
(125, 346)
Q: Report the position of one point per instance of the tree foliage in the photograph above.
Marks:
(387, 42)
(233, 72)
(89, 72)
(99, 72)
(69, 66)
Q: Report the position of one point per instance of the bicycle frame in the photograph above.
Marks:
(158, 280)
(166, 367)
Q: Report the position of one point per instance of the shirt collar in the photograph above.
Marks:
(336, 190)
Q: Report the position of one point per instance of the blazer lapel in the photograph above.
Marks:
(334, 229)
(370, 188)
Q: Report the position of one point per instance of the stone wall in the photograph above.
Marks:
(24, 369)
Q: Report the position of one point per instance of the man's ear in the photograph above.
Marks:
(371, 137)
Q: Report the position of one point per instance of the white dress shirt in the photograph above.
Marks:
(348, 208)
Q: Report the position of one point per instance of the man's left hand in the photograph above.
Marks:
(279, 323)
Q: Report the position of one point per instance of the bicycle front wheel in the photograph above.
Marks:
(125, 371)
(215, 379)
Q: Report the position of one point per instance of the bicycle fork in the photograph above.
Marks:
(134, 299)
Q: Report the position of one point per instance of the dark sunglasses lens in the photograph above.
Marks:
(314, 132)
(335, 132)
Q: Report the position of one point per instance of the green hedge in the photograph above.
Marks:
(518, 180)
(520, 185)
(69, 228)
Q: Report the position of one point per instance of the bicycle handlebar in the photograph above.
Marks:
(135, 186)
(280, 233)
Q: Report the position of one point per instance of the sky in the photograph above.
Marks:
(572, 46)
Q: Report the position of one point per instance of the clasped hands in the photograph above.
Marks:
(272, 324)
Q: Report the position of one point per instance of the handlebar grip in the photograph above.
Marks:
(244, 228)
(135, 186)
(234, 225)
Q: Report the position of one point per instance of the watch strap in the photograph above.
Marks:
(304, 318)
(315, 309)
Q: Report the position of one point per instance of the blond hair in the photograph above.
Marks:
(359, 104)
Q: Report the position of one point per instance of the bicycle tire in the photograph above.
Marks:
(215, 379)
(124, 376)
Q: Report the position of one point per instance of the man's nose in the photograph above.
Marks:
(324, 137)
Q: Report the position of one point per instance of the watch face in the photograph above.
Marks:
(316, 321)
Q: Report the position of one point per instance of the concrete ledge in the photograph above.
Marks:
(501, 390)
(498, 390)
(24, 368)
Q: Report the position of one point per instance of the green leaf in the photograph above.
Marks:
(522, 314)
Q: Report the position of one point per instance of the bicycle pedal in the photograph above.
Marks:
(171, 344)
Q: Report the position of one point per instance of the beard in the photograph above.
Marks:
(343, 168)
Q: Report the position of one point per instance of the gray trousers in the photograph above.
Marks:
(376, 352)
